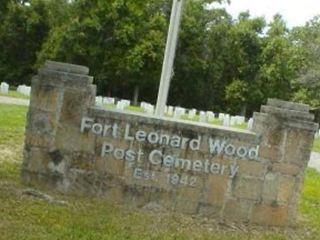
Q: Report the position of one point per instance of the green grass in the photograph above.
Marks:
(316, 145)
(12, 122)
(27, 218)
(310, 203)
(216, 122)
(134, 109)
(14, 94)
(130, 108)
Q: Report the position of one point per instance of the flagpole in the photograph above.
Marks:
(168, 61)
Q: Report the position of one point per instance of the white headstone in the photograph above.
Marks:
(226, 120)
(24, 90)
(178, 112)
(192, 113)
(147, 107)
(28, 91)
(233, 121)
(250, 123)
(240, 120)
(210, 116)
(4, 88)
(202, 116)
(99, 100)
(108, 100)
(221, 116)
(170, 110)
(120, 106)
(151, 109)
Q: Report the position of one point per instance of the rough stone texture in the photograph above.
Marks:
(287, 133)
(232, 186)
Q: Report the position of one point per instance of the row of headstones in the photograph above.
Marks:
(179, 112)
(120, 105)
(23, 89)
(204, 117)
(208, 116)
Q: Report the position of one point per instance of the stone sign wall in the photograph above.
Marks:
(188, 167)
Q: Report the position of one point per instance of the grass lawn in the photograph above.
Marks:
(316, 145)
(14, 94)
(25, 217)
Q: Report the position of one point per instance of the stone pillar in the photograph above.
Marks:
(61, 95)
(287, 134)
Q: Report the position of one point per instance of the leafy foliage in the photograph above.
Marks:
(222, 64)
(308, 82)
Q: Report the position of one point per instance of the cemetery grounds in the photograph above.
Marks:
(45, 214)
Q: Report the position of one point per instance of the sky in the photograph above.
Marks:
(295, 12)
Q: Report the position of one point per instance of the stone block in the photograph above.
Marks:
(46, 98)
(287, 113)
(68, 137)
(269, 215)
(185, 206)
(74, 106)
(237, 210)
(275, 136)
(137, 196)
(115, 195)
(66, 67)
(216, 188)
(63, 80)
(36, 160)
(251, 168)
(164, 198)
(161, 180)
(113, 166)
(42, 124)
(288, 105)
(83, 160)
(100, 165)
(210, 210)
(298, 142)
(270, 187)
(286, 169)
(286, 189)
(272, 153)
(189, 193)
(38, 139)
(247, 188)
(140, 176)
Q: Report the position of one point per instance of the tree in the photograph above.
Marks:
(197, 62)
(307, 84)
(276, 71)
(121, 42)
(242, 72)
(22, 32)
(222, 64)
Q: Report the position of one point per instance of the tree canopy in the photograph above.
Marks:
(222, 63)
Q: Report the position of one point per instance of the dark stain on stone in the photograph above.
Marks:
(48, 88)
(274, 204)
(56, 157)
